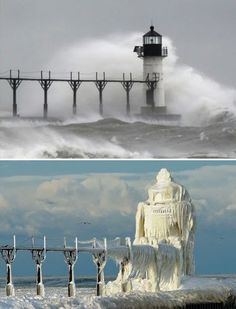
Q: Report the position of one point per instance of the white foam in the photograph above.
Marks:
(38, 141)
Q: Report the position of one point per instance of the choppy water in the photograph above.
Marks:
(114, 138)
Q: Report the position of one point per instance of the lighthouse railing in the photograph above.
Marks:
(164, 51)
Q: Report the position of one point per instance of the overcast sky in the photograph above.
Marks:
(33, 32)
(55, 198)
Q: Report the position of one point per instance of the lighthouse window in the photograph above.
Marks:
(152, 40)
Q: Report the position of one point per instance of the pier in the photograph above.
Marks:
(98, 249)
(75, 81)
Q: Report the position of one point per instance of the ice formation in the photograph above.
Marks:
(162, 251)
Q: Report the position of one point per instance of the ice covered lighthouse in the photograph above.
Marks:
(152, 52)
(162, 252)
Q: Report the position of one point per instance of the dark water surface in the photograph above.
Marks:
(114, 138)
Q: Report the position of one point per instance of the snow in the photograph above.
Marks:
(192, 290)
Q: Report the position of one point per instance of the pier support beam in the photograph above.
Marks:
(39, 256)
(100, 260)
(100, 84)
(14, 82)
(71, 256)
(8, 255)
(45, 84)
(127, 84)
(74, 84)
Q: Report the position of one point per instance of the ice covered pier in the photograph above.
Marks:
(119, 249)
(98, 250)
(74, 80)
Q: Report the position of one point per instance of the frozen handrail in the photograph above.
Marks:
(99, 249)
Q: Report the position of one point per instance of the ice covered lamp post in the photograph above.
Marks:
(9, 254)
(39, 256)
(100, 259)
(71, 256)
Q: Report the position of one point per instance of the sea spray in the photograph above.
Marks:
(45, 140)
(197, 97)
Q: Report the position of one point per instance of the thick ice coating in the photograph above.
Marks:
(164, 239)
(168, 216)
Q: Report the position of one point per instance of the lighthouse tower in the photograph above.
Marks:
(152, 52)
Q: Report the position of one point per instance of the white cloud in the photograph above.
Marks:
(231, 207)
(107, 194)
(50, 188)
(108, 201)
(213, 190)
(58, 204)
(3, 202)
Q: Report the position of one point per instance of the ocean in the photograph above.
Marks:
(116, 138)
(49, 282)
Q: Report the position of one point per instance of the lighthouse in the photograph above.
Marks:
(153, 53)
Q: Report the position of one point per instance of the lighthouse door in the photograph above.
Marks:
(150, 97)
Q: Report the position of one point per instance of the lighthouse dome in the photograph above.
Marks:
(152, 37)
(152, 32)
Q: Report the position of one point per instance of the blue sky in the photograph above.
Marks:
(55, 198)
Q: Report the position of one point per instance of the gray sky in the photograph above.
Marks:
(31, 32)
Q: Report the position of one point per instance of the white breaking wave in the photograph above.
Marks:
(34, 138)
(41, 141)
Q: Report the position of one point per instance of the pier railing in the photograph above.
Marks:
(97, 248)
(46, 79)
